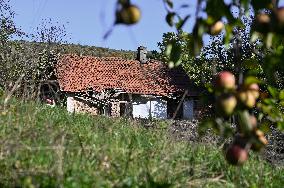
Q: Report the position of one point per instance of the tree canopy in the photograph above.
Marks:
(242, 65)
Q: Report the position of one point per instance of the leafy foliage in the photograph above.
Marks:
(213, 57)
(251, 55)
(11, 64)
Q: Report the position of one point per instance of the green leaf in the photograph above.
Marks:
(269, 101)
(181, 22)
(244, 121)
(246, 4)
(281, 103)
(281, 94)
(227, 131)
(265, 126)
(175, 55)
(273, 91)
(251, 80)
(169, 3)
(197, 42)
(170, 18)
(168, 49)
(228, 34)
(280, 125)
(251, 64)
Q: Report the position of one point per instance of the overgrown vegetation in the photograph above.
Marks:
(31, 60)
(47, 147)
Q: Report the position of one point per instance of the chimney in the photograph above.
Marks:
(142, 54)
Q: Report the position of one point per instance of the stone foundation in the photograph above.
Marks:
(81, 106)
(115, 109)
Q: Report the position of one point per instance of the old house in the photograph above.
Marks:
(141, 88)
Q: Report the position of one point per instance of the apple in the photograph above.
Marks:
(253, 121)
(254, 88)
(263, 18)
(128, 15)
(236, 155)
(246, 98)
(216, 28)
(259, 133)
(280, 15)
(226, 104)
(259, 141)
(225, 80)
(262, 23)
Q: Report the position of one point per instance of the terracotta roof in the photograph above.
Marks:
(80, 73)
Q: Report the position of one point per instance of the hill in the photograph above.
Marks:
(77, 49)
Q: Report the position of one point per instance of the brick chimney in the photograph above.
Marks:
(142, 54)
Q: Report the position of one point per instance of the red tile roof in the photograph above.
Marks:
(80, 73)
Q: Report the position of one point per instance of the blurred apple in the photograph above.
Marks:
(225, 80)
(226, 104)
(236, 155)
(216, 28)
(128, 15)
(246, 98)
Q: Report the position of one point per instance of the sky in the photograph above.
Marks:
(87, 21)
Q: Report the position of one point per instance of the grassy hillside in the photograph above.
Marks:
(47, 147)
(36, 48)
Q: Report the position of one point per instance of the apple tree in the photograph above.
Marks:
(247, 91)
(9, 70)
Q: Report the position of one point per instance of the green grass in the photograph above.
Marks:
(47, 147)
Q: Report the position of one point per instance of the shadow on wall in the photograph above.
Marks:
(159, 109)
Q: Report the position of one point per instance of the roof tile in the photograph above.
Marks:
(80, 73)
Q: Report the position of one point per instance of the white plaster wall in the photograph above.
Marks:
(158, 109)
(70, 104)
(140, 110)
(188, 109)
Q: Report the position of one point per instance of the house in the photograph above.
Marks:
(141, 88)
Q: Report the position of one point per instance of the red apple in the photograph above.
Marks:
(225, 80)
(254, 88)
(236, 155)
